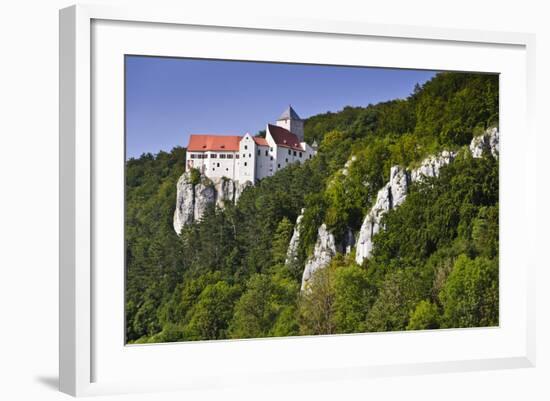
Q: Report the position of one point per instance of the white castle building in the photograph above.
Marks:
(250, 158)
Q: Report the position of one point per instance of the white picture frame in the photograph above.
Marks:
(83, 351)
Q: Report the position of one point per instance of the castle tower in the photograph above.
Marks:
(291, 121)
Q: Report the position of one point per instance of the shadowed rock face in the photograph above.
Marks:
(292, 251)
(349, 241)
(225, 190)
(193, 199)
(205, 195)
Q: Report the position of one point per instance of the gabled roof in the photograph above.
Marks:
(289, 114)
(202, 143)
(284, 137)
(260, 141)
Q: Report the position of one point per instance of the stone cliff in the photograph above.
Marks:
(325, 249)
(194, 196)
(292, 251)
(390, 196)
(395, 191)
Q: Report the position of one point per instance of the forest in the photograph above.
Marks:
(435, 265)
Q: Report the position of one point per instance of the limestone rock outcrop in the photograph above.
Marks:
(431, 165)
(205, 195)
(193, 198)
(226, 190)
(395, 191)
(292, 251)
(185, 203)
(488, 142)
(347, 165)
(390, 196)
(324, 251)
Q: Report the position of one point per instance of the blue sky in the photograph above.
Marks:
(169, 98)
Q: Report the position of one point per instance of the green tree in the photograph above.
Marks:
(425, 316)
(210, 316)
(316, 304)
(398, 296)
(259, 308)
(470, 294)
(485, 232)
(281, 239)
(353, 296)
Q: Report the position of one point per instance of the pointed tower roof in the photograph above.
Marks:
(289, 114)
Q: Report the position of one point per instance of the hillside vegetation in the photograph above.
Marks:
(434, 266)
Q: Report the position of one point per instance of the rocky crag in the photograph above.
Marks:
(292, 251)
(325, 249)
(397, 187)
(194, 196)
(390, 196)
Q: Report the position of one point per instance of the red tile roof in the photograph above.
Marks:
(201, 143)
(284, 137)
(260, 141)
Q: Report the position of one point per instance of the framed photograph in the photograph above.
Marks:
(268, 201)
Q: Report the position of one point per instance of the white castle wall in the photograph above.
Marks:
(215, 164)
(247, 160)
(264, 164)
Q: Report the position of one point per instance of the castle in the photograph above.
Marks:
(251, 158)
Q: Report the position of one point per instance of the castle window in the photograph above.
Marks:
(217, 164)
(250, 155)
(213, 156)
(266, 152)
(289, 151)
(286, 160)
(271, 149)
(222, 156)
(259, 152)
(300, 154)
(237, 156)
(226, 169)
(246, 146)
(193, 155)
(270, 157)
(244, 155)
(278, 165)
(245, 163)
(310, 156)
(294, 153)
(230, 156)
